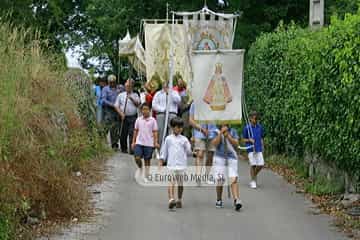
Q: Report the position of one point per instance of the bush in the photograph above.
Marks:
(307, 86)
(43, 136)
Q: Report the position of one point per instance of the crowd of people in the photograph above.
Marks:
(141, 122)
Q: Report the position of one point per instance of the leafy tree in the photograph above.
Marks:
(50, 17)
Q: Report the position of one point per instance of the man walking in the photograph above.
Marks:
(111, 118)
(126, 105)
(162, 99)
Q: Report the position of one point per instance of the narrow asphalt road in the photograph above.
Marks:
(133, 212)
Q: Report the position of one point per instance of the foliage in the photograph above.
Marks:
(306, 84)
(81, 89)
(97, 25)
(43, 137)
(51, 17)
(103, 23)
(322, 186)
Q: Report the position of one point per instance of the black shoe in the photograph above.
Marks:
(178, 204)
(219, 204)
(237, 204)
(172, 204)
(115, 146)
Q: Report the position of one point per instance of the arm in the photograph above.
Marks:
(156, 134)
(245, 138)
(136, 132)
(187, 147)
(163, 152)
(248, 140)
(156, 103)
(234, 141)
(156, 140)
(217, 140)
(224, 131)
(104, 98)
(175, 97)
(193, 123)
(197, 126)
(117, 107)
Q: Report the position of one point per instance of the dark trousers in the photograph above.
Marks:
(112, 123)
(127, 130)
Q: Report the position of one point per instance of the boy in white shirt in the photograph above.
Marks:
(175, 151)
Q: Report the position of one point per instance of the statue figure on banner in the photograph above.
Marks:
(218, 93)
(206, 43)
(206, 46)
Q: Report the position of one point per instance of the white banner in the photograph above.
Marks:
(217, 86)
(210, 34)
(158, 41)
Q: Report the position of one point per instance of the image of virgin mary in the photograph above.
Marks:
(218, 93)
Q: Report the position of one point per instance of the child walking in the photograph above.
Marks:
(226, 141)
(253, 136)
(145, 139)
(175, 151)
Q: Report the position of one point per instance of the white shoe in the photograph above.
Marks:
(253, 184)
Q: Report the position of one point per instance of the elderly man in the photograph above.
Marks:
(161, 100)
(111, 118)
(126, 105)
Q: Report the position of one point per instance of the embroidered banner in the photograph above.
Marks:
(210, 34)
(157, 44)
(218, 77)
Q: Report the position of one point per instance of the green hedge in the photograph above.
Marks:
(306, 84)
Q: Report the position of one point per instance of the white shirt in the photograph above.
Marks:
(175, 151)
(120, 102)
(160, 101)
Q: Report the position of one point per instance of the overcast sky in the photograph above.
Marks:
(71, 58)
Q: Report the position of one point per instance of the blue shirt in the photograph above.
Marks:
(257, 133)
(210, 127)
(230, 151)
(97, 90)
(108, 96)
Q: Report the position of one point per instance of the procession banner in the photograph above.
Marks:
(158, 41)
(210, 34)
(217, 91)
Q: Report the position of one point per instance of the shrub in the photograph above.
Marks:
(307, 85)
(43, 136)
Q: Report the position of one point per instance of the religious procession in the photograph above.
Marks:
(168, 119)
(183, 114)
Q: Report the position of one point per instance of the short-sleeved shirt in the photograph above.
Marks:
(257, 133)
(228, 152)
(146, 128)
(210, 127)
(123, 101)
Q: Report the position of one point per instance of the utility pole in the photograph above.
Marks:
(316, 15)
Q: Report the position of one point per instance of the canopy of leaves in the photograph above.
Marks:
(50, 17)
(97, 25)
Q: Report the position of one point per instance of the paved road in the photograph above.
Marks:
(133, 212)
